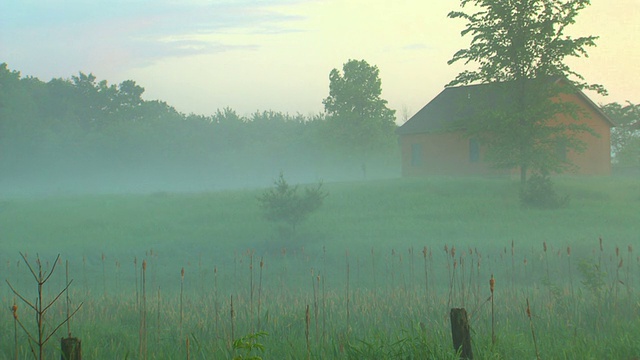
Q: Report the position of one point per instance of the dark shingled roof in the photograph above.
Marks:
(455, 104)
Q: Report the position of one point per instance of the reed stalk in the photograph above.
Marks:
(181, 296)
(14, 310)
(233, 328)
(373, 272)
(533, 333)
(492, 285)
(188, 348)
(426, 274)
(251, 290)
(158, 320)
(307, 320)
(135, 272)
(573, 299)
(347, 294)
(260, 292)
(104, 277)
(142, 351)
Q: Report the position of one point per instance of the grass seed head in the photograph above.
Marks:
(492, 283)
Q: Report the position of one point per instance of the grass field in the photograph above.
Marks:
(355, 281)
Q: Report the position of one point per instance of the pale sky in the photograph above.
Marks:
(200, 55)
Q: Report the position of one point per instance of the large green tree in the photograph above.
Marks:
(522, 45)
(358, 119)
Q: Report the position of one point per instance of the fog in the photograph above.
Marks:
(81, 135)
(69, 176)
(376, 268)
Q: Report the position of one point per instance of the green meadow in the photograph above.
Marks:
(373, 274)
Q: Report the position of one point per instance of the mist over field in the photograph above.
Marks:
(76, 172)
(83, 136)
(212, 235)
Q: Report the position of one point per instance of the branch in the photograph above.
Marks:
(57, 297)
(30, 268)
(20, 296)
(53, 268)
(62, 323)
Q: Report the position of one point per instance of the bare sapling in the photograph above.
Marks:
(40, 308)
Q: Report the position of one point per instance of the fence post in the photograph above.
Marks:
(71, 348)
(460, 333)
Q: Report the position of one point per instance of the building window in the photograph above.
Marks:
(416, 154)
(474, 150)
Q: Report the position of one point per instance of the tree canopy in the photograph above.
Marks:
(358, 118)
(85, 134)
(625, 137)
(523, 45)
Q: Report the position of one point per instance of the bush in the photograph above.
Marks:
(283, 204)
(539, 193)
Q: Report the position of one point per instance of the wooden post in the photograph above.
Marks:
(71, 348)
(460, 333)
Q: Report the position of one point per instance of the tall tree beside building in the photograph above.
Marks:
(523, 44)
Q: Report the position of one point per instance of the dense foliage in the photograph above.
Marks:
(523, 45)
(360, 123)
(67, 134)
(283, 204)
(625, 137)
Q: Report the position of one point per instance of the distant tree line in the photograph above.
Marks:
(625, 137)
(69, 133)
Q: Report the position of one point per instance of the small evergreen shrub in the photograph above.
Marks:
(539, 193)
(283, 203)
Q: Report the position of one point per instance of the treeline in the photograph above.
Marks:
(625, 137)
(81, 134)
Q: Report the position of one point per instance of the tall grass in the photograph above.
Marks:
(218, 235)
